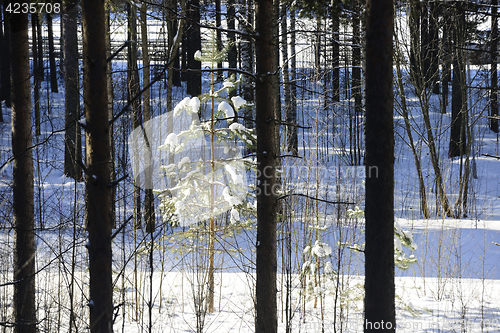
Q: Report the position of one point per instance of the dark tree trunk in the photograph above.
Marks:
(72, 139)
(265, 106)
(52, 56)
(379, 211)
(434, 44)
(218, 23)
(494, 72)
(232, 54)
(291, 139)
(356, 86)
(5, 94)
(414, 27)
(149, 208)
(247, 59)
(133, 91)
(193, 44)
(109, 81)
(335, 50)
(458, 99)
(445, 59)
(22, 187)
(292, 115)
(36, 71)
(425, 43)
(97, 191)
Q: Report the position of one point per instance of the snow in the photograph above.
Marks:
(238, 102)
(171, 140)
(226, 109)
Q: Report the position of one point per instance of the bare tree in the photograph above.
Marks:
(98, 166)
(379, 211)
(265, 123)
(22, 187)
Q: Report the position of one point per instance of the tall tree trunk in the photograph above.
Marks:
(291, 146)
(445, 59)
(218, 23)
(414, 27)
(265, 106)
(458, 100)
(356, 84)
(335, 50)
(36, 71)
(22, 187)
(133, 91)
(247, 59)
(72, 136)
(52, 56)
(193, 45)
(433, 44)
(379, 210)
(109, 82)
(232, 54)
(5, 94)
(494, 72)
(292, 138)
(97, 191)
(425, 43)
(149, 208)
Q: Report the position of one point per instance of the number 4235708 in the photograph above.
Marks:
(40, 7)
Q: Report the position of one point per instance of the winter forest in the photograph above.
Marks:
(249, 166)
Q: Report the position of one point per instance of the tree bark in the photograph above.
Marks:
(133, 90)
(97, 191)
(247, 59)
(36, 71)
(379, 210)
(193, 45)
(5, 94)
(22, 187)
(149, 208)
(265, 106)
(458, 99)
(494, 71)
(72, 139)
(52, 57)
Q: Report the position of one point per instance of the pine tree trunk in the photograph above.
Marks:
(247, 60)
(72, 136)
(494, 71)
(149, 208)
(193, 45)
(292, 115)
(433, 44)
(445, 60)
(414, 27)
(232, 54)
(5, 94)
(356, 85)
(265, 106)
(109, 82)
(36, 71)
(52, 57)
(133, 91)
(458, 100)
(379, 209)
(22, 187)
(335, 50)
(97, 192)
